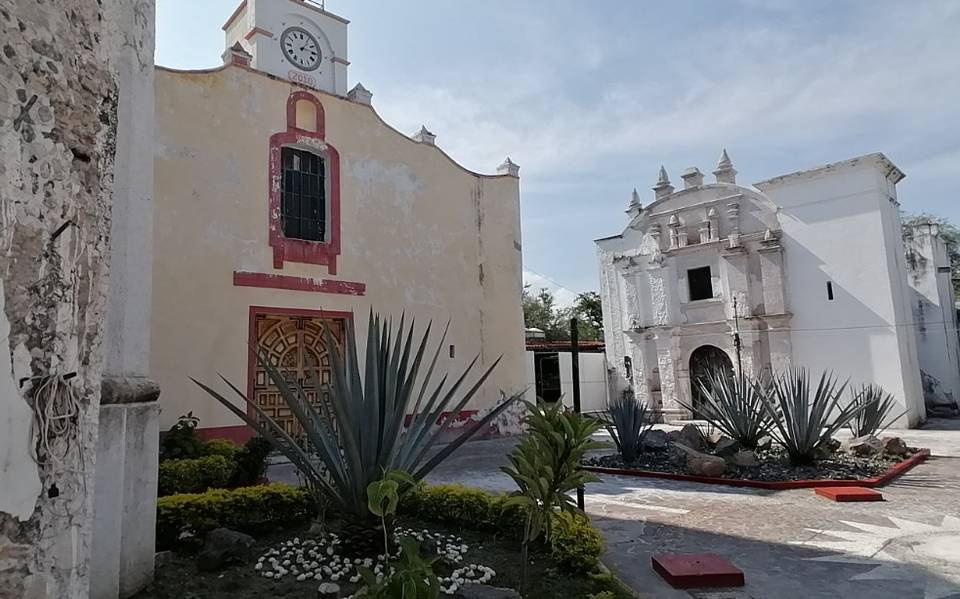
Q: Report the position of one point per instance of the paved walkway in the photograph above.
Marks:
(790, 544)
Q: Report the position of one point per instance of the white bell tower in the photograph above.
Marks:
(297, 40)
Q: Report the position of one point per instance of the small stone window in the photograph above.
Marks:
(303, 195)
(700, 282)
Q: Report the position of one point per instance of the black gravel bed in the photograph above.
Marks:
(773, 466)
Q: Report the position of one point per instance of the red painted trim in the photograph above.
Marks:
(299, 250)
(461, 416)
(848, 494)
(877, 481)
(347, 317)
(239, 434)
(258, 31)
(275, 281)
(697, 570)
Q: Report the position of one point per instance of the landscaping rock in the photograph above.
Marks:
(702, 464)
(691, 436)
(328, 590)
(726, 447)
(764, 444)
(746, 459)
(655, 439)
(223, 546)
(863, 446)
(894, 446)
(828, 449)
(482, 591)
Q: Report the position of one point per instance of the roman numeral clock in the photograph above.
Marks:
(301, 48)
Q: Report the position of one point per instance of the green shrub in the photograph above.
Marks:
(181, 441)
(251, 462)
(575, 545)
(224, 447)
(603, 595)
(194, 475)
(247, 508)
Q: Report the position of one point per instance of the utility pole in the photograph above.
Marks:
(575, 368)
(737, 345)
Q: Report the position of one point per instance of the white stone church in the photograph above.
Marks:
(810, 268)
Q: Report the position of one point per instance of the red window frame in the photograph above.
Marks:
(300, 250)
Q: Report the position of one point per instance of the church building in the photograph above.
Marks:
(285, 204)
(805, 269)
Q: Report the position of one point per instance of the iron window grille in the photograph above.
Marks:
(303, 195)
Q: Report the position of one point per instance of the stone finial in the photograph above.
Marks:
(725, 172)
(235, 54)
(425, 137)
(360, 95)
(508, 167)
(663, 187)
(692, 177)
(634, 207)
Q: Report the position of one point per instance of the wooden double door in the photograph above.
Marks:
(296, 345)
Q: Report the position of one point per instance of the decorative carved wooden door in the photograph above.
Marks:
(295, 344)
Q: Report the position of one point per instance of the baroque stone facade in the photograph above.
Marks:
(806, 269)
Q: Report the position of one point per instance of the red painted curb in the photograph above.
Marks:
(877, 481)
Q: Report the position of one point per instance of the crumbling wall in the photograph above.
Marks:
(58, 113)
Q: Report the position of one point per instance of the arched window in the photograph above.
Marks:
(303, 195)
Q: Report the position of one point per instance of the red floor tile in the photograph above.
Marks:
(697, 570)
(850, 494)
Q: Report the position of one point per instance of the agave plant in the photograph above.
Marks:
(875, 415)
(546, 467)
(805, 418)
(627, 425)
(364, 432)
(733, 404)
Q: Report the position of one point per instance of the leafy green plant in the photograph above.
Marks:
(575, 545)
(627, 425)
(733, 403)
(805, 418)
(546, 467)
(874, 417)
(251, 462)
(247, 508)
(193, 475)
(223, 447)
(410, 576)
(383, 496)
(363, 431)
(181, 441)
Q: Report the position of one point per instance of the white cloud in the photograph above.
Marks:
(564, 297)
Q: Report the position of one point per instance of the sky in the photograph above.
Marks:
(591, 97)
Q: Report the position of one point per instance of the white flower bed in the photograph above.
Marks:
(319, 560)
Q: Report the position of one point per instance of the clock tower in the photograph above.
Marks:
(297, 40)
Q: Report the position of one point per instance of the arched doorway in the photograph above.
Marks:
(705, 360)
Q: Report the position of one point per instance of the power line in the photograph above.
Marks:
(549, 280)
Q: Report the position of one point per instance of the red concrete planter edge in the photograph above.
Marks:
(877, 481)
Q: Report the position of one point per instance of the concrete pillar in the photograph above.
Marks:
(735, 281)
(771, 274)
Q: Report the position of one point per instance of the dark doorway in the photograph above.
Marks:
(704, 361)
(547, 369)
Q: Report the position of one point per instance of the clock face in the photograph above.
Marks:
(301, 48)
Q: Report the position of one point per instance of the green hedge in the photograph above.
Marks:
(194, 475)
(575, 545)
(246, 508)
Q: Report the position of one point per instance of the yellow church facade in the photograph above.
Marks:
(283, 206)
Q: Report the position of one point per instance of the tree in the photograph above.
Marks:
(541, 311)
(589, 313)
(950, 235)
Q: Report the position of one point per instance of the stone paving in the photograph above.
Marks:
(790, 544)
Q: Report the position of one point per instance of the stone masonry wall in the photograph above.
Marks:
(58, 113)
